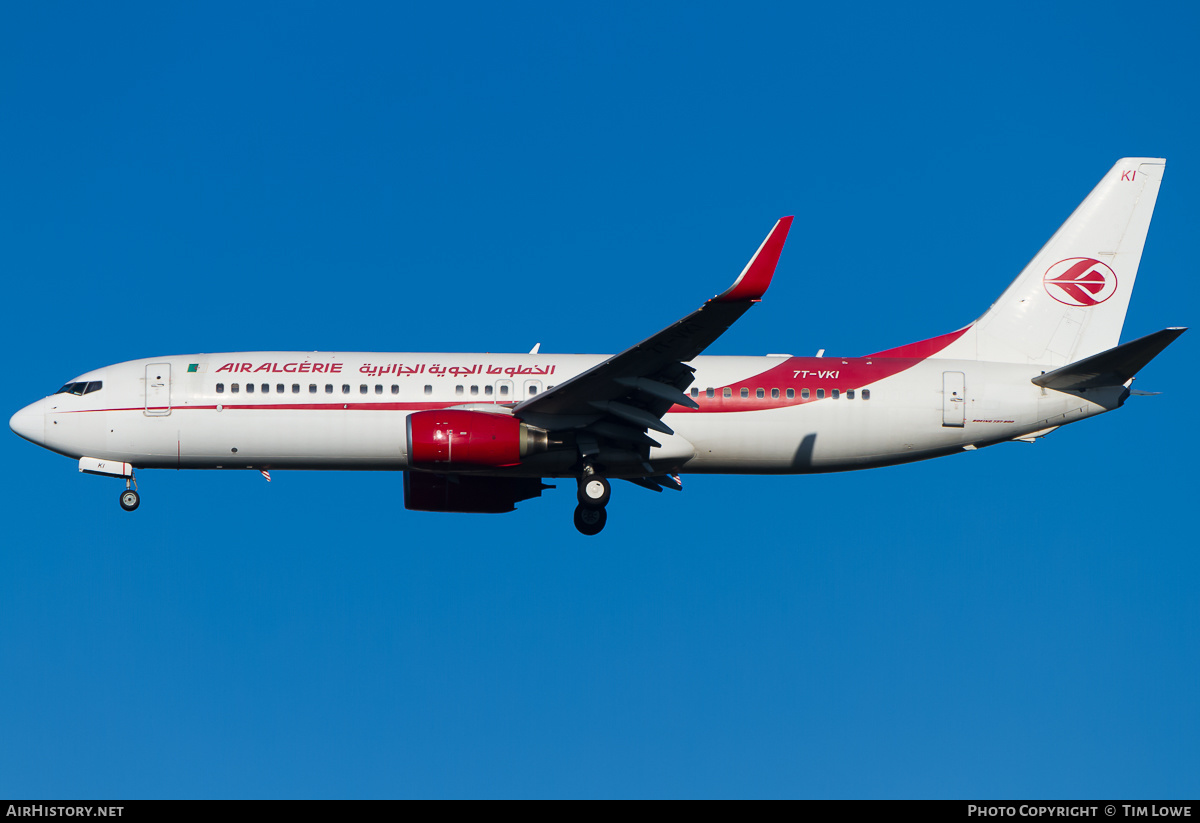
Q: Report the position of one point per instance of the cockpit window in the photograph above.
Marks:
(81, 387)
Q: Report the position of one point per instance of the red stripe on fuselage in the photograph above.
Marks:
(923, 348)
(812, 373)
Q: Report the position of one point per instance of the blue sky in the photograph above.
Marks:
(1022, 621)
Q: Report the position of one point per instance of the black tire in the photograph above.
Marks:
(589, 519)
(130, 500)
(594, 492)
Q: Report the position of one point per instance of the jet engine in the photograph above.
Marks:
(447, 439)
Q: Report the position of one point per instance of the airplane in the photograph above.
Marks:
(480, 432)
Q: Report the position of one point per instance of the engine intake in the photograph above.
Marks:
(453, 438)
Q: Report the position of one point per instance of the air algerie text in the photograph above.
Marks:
(374, 370)
(284, 368)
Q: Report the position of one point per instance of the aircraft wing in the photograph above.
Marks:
(619, 399)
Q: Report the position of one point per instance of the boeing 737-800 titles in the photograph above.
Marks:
(479, 432)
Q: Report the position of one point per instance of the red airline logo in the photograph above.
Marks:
(1080, 281)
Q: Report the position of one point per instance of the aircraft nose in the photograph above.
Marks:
(30, 422)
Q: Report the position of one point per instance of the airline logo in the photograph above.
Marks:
(1080, 281)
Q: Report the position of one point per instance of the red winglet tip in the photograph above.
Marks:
(754, 280)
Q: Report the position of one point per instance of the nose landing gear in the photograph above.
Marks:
(130, 499)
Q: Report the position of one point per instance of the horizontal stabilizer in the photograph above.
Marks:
(1114, 367)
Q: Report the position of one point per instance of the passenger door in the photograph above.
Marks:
(158, 389)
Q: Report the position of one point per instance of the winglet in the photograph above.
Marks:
(752, 283)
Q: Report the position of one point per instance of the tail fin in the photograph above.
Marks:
(1070, 301)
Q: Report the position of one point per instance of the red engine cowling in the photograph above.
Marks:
(453, 438)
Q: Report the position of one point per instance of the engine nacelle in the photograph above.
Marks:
(457, 439)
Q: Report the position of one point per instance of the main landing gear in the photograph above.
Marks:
(130, 499)
(594, 492)
(590, 521)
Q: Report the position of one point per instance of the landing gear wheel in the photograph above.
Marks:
(130, 500)
(594, 492)
(589, 519)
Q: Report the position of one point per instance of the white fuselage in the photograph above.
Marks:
(319, 410)
(473, 432)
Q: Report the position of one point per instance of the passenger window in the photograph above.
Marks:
(850, 394)
(362, 389)
(487, 391)
(280, 388)
(727, 392)
(312, 388)
(395, 388)
(379, 388)
(220, 388)
(458, 390)
(429, 389)
(329, 388)
(266, 388)
(804, 394)
(836, 394)
(345, 388)
(791, 393)
(745, 392)
(295, 388)
(235, 388)
(709, 392)
(532, 391)
(774, 394)
(249, 388)
(695, 393)
(474, 390)
(866, 394)
(759, 394)
(820, 394)
(504, 391)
